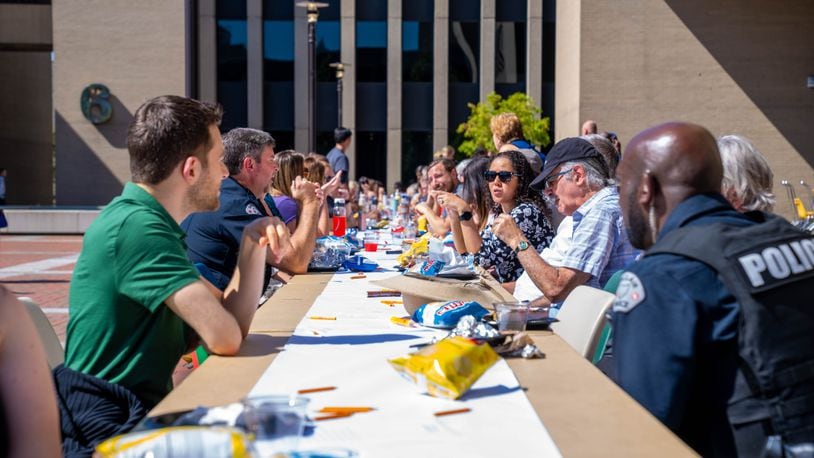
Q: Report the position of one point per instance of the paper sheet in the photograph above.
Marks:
(351, 354)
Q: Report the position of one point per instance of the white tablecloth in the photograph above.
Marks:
(351, 354)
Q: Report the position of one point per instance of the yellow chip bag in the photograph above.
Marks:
(418, 248)
(448, 368)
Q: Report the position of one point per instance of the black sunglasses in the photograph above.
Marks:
(504, 176)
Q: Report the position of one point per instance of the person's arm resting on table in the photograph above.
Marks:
(555, 282)
(223, 327)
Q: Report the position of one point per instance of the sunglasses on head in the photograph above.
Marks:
(504, 176)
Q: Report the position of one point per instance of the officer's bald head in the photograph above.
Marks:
(662, 166)
(682, 156)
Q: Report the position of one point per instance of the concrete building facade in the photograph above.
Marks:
(413, 66)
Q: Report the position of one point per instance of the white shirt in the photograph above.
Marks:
(524, 288)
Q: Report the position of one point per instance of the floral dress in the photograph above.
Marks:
(495, 253)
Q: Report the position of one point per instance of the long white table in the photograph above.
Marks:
(584, 412)
(351, 353)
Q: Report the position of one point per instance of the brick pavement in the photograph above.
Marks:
(23, 271)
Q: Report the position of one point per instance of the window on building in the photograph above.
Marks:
(231, 62)
(464, 61)
(510, 47)
(416, 149)
(278, 71)
(371, 154)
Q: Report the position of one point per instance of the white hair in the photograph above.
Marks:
(747, 175)
(596, 173)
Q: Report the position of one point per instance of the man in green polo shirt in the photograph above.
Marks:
(134, 294)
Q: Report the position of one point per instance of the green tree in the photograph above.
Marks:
(476, 131)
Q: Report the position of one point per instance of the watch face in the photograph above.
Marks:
(465, 216)
(523, 245)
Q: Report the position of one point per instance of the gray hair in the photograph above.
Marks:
(606, 149)
(747, 175)
(242, 142)
(596, 172)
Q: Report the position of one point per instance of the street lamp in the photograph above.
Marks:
(312, 13)
(340, 73)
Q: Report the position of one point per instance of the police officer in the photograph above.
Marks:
(213, 238)
(677, 320)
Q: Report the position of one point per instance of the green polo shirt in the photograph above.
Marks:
(119, 328)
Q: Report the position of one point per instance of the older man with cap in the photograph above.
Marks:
(576, 178)
(713, 327)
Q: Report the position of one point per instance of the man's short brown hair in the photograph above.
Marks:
(165, 131)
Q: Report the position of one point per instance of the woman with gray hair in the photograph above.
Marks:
(747, 182)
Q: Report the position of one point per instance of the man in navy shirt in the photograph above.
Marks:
(336, 156)
(213, 237)
(675, 323)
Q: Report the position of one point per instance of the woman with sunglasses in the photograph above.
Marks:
(507, 191)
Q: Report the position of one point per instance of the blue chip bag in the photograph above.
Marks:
(446, 314)
(431, 267)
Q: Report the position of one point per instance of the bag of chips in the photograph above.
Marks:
(448, 368)
(446, 314)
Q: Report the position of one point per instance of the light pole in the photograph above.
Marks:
(340, 73)
(312, 13)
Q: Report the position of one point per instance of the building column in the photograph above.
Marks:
(254, 59)
(300, 79)
(347, 15)
(440, 76)
(207, 51)
(487, 48)
(534, 51)
(394, 80)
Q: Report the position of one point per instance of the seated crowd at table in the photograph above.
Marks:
(211, 223)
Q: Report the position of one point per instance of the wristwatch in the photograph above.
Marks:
(465, 216)
(522, 246)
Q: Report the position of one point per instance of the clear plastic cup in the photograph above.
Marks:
(371, 241)
(511, 316)
(277, 422)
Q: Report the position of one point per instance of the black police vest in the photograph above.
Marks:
(769, 268)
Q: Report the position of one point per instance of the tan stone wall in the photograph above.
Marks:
(734, 67)
(136, 49)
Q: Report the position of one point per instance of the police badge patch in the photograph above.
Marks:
(629, 293)
(252, 210)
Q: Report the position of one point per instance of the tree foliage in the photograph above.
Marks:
(476, 131)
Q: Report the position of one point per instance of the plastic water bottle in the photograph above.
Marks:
(339, 218)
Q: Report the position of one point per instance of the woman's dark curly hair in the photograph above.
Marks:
(525, 194)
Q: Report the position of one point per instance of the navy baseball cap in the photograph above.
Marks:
(569, 149)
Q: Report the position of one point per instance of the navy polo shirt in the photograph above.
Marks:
(675, 340)
(213, 238)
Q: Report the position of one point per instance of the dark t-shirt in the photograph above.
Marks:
(213, 238)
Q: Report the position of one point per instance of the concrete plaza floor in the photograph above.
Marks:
(40, 267)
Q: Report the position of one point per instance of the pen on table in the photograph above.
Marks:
(332, 416)
(315, 317)
(384, 293)
(345, 409)
(316, 390)
(451, 412)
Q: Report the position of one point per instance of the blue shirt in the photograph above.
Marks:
(339, 161)
(213, 238)
(676, 349)
(599, 244)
